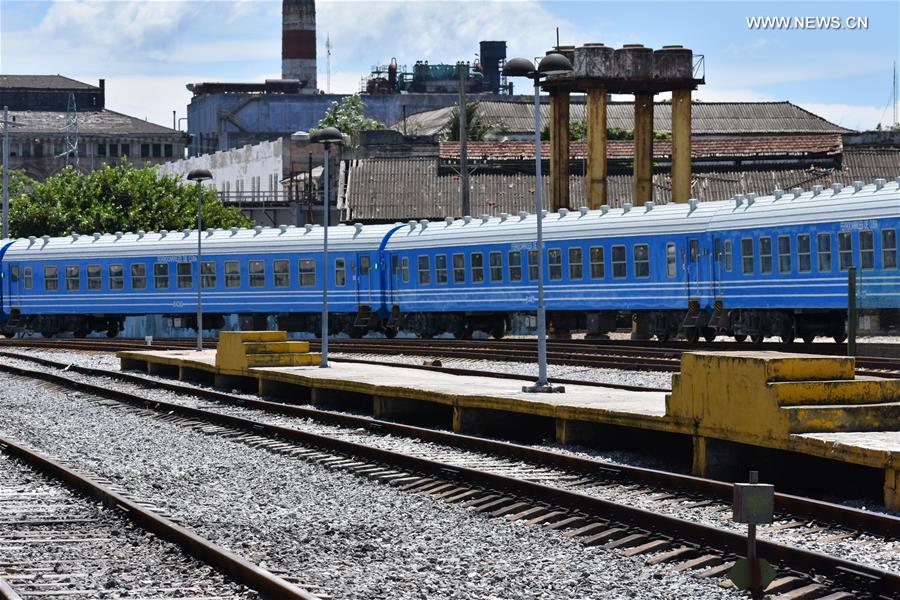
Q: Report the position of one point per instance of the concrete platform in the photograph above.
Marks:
(802, 404)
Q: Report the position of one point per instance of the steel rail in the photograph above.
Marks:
(6, 591)
(234, 566)
(837, 570)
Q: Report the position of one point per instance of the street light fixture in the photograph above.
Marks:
(325, 136)
(549, 65)
(199, 175)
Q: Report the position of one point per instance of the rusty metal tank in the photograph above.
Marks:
(633, 61)
(594, 60)
(673, 62)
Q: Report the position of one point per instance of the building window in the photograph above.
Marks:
(185, 275)
(26, 149)
(554, 264)
(167, 150)
(619, 256)
(161, 276)
(138, 276)
(597, 267)
(257, 274)
(576, 266)
(888, 249)
(747, 256)
(671, 260)
(459, 268)
(495, 262)
(866, 250)
(93, 277)
(232, 274)
(440, 268)
(845, 250)
(307, 272)
(784, 254)
(58, 148)
(515, 265)
(73, 278)
(39, 150)
(533, 268)
(804, 254)
(157, 150)
(101, 149)
(51, 279)
(113, 149)
(765, 255)
(641, 260)
(208, 274)
(145, 150)
(126, 150)
(27, 278)
(477, 262)
(404, 269)
(340, 272)
(282, 270)
(823, 245)
(424, 271)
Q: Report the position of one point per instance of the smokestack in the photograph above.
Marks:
(298, 43)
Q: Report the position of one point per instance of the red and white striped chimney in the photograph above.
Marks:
(298, 43)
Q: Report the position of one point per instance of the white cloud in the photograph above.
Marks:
(153, 98)
(853, 116)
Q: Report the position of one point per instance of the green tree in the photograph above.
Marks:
(121, 198)
(578, 131)
(347, 116)
(477, 127)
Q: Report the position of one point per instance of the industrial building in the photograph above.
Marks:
(57, 121)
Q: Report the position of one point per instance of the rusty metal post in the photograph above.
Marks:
(559, 150)
(681, 145)
(643, 148)
(596, 148)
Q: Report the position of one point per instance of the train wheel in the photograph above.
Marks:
(47, 333)
(709, 334)
(809, 338)
(840, 338)
(692, 335)
(788, 337)
(757, 339)
(740, 337)
(81, 333)
(357, 332)
(498, 330)
(663, 336)
(9, 334)
(390, 332)
(112, 331)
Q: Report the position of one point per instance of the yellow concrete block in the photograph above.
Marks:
(892, 489)
(843, 417)
(864, 390)
(231, 353)
(273, 347)
(284, 359)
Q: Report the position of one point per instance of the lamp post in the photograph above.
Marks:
(325, 136)
(199, 175)
(552, 64)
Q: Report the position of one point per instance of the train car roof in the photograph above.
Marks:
(256, 241)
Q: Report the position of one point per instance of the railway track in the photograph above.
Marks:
(581, 498)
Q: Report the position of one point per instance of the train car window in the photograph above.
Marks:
(232, 274)
(424, 270)
(340, 272)
(116, 277)
(823, 250)
(515, 265)
(161, 276)
(404, 269)
(73, 278)
(866, 249)
(28, 278)
(532, 265)
(440, 268)
(642, 260)
(597, 267)
(495, 260)
(728, 251)
(282, 271)
(576, 264)
(363, 265)
(747, 256)
(477, 262)
(138, 276)
(845, 250)
(695, 249)
(307, 272)
(554, 262)
(257, 270)
(51, 279)
(14, 274)
(619, 256)
(804, 254)
(208, 274)
(93, 277)
(888, 252)
(184, 272)
(765, 255)
(671, 260)
(784, 254)
(459, 268)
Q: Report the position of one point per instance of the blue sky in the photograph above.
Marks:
(148, 50)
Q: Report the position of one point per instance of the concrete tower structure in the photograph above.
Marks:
(298, 43)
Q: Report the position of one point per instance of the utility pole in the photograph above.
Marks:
(5, 173)
(463, 138)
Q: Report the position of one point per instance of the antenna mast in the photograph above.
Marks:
(328, 62)
(71, 149)
(895, 94)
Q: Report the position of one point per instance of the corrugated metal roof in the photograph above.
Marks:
(90, 122)
(386, 189)
(43, 82)
(707, 118)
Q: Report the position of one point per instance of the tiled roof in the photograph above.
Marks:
(46, 82)
(624, 149)
(707, 118)
(93, 122)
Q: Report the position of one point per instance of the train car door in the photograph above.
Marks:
(694, 267)
(364, 279)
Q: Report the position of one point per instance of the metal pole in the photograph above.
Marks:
(539, 211)
(755, 583)
(5, 173)
(851, 311)
(463, 148)
(325, 267)
(199, 266)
